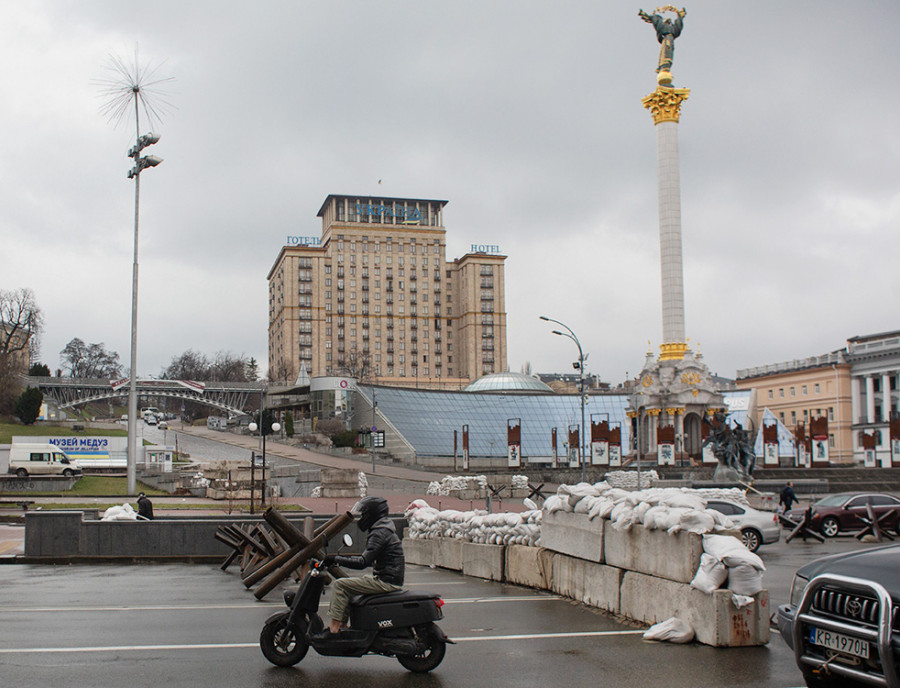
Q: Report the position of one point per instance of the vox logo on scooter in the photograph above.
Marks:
(383, 618)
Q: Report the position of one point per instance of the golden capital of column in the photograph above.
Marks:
(673, 351)
(665, 103)
(675, 409)
(653, 412)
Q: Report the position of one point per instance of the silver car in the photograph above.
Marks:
(757, 527)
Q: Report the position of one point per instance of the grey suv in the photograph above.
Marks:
(841, 621)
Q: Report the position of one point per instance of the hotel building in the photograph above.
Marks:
(375, 298)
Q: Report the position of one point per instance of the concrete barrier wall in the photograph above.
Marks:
(80, 535)
(640, 574)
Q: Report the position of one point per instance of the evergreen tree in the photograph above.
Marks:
(28, 406)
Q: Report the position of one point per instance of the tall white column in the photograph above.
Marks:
(671, 268)
(855, 399)
(665, 106)
(870, 399)
(885, 397)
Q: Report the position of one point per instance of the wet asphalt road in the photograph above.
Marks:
(180, 625)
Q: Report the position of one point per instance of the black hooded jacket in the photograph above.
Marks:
(384, 553)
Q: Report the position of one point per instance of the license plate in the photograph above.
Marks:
(839, 642)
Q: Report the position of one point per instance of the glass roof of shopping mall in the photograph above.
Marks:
(508, 382)
(427, 418)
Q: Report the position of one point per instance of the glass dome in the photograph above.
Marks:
(508, 382)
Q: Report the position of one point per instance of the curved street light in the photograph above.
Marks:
(580, 366)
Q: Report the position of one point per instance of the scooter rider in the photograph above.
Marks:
(384, 552)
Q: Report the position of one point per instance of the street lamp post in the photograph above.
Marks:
(140, 163)
(252, 427)
(580, 366)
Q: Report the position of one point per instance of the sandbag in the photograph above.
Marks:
(745, 579)
(672, 630)
(710, 575)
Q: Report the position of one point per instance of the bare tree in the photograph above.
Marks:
(20, 324)
(192, 365)
(20, 328)
(90, 360)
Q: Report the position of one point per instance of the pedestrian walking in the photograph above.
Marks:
(787, 497)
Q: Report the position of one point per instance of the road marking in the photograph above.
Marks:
(244, 646)
(258, 605)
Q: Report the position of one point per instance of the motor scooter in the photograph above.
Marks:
(394, 624)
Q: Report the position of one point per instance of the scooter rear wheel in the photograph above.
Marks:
(281, 645)
(433, 654)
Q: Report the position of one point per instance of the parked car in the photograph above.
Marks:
(839, 620)
(757, 527)
(150, 419)
(844, 511)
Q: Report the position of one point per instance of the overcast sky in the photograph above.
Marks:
(525, 115)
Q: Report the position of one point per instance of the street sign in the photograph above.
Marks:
(378, 439)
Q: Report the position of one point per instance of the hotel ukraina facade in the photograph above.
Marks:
(375, 298)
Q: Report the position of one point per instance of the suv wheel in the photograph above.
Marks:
(22, 473)
(830, 527)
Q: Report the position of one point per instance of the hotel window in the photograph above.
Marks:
(793, 417)
(781, 392)
(804, 390)
(817, 388)
(793, 391)
(771, 393)
(831, 413)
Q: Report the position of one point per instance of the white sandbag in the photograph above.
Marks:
(741, 601)
(655, 518)
(695, 521)
(731, 551)
(529, 504)
(639, 511)
(554, 503)
(745, 579)
(671, 630)
(711, 574)
(683, 500)
(125, 512)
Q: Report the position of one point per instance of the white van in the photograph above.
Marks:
(40, 459)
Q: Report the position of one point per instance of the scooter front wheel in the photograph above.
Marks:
(435, 648)
(281, 645)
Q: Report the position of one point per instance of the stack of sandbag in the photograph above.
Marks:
(477, 526)
(669, 509)
(518, 482)
(725, 558)
(629, 479)
(363, 484)
(450, 484)
(120, 513)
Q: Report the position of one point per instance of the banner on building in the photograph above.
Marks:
(615, 444)
(574, 447)
(514, 443)
(599, 439)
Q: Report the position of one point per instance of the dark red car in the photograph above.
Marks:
(844, 511)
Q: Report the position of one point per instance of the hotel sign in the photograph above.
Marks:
(400, 214)
(485, 248)
(304, 241)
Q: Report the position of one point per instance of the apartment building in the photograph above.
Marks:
(374, 297)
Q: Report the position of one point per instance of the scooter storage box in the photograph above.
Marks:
(392, 610)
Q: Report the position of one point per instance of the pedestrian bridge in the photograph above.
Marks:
(67, 392)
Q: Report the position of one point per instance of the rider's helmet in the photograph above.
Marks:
(370, 509)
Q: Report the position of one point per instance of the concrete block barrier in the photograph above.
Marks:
(574, 534)
(588, 582)
(483, 561)
(654, 552)
(529, 566)
(448, 553)
(419, 551)
(715, 619)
